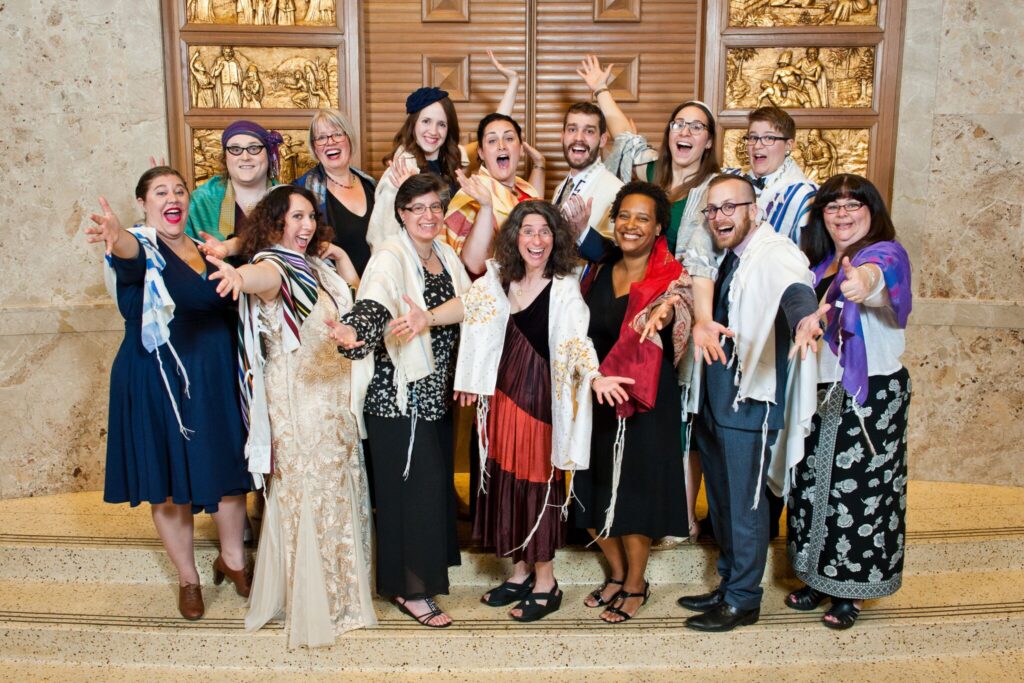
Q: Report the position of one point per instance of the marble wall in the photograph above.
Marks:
(83, 105)
(958, 202)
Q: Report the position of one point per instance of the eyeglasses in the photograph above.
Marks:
(543, 233)
(419, 209)
(236, 150)
(680, 125)
(321, 140)
(727, 209)
(850, 207)
(766, 140)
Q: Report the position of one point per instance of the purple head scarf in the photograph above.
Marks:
(844, 321)
(271, 139)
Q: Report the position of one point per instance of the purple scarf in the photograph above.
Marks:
(844, 321)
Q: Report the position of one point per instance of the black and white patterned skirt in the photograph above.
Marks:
(847, 509)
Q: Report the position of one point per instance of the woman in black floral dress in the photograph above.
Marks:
(403, 328)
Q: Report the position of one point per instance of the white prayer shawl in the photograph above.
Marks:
(574, 362)
(383, 223)
(259, 441)
(395, 270)
(768, 266)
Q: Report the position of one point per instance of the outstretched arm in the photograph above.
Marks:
(107, 229)
(261, 279)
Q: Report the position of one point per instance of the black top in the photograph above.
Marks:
(349, 228)
(532, 321)
(823, 286)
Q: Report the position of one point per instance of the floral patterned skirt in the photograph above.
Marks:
(847, 509)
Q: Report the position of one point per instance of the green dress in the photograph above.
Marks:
(678, 207)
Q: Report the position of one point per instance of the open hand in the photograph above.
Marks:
(472, 186)
(808, 331)
(707, 341)
(212, 246)
(509, 74)
(576, 211)
(609, 389)
(343, 335)
(659, 317)
(593, 75)
(409, 325)
(230, 279)
(107, 228)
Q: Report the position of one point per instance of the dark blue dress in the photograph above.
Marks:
(148, 459)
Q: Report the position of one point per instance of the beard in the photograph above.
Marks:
(587, 161)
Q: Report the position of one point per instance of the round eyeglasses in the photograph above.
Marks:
(678, 125)
(727, 209)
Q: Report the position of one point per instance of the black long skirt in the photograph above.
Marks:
(415, 520)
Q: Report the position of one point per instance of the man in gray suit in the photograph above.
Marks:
(766, 312)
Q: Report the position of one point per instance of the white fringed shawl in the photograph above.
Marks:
(770, 264)
(573, 359)
(395, 270)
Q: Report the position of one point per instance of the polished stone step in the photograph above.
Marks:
(953, 616)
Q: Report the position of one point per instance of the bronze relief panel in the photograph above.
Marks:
(800, 77)
(262, 12)
(790, 13)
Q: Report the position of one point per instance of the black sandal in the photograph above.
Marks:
(620, 600)
(532, 610)
(805, 599)
(844, 612)
(435, 611)
(509, 592)
(600, 601)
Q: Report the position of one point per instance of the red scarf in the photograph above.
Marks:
(630, 358)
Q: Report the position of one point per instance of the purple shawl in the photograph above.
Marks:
(844, 319)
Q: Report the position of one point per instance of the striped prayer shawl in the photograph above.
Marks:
(786, 199)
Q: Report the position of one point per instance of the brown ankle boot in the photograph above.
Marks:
(190, 601)
(239, 577)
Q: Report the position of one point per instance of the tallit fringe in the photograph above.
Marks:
(412, 441)
(540, 517)
(570, 495)
(764, 449)
(483, 406)
(617, 450)
(185, 431)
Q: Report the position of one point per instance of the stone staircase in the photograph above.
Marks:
(86, 592)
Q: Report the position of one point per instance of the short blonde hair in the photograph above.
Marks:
(329, 116)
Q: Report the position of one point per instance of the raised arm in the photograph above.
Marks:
(538, 165)
(477, 247)
(508, 98)
(597, 80)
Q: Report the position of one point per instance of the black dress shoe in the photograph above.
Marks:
(725, 617)
(702, 602)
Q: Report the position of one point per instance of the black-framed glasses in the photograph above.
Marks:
(420, 209)
(236, 150)
(850, 207)
(679, 125)
(335, 138)
(766, 140)
(727, 209)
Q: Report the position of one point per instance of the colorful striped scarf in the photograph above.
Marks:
(298, 297)
(463, 209)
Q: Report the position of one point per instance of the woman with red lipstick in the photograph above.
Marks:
(428, 141)
(314, 557)
(344, 194)
(175, 434)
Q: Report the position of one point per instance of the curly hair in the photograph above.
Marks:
(563, 259)
(266, 222)
(662, 207)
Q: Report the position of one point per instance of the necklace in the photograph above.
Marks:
(425, 260)
(351, 182)
(521, 287)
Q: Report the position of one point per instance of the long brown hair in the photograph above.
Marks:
(266, 222)
(708, 158)
(563, 257)
(449, 157)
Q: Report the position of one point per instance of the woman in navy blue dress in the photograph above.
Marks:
(175, 435)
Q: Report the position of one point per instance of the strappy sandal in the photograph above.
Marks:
(596, 595)
(620, 600)
(805, 599)
(532, 610)
(425, 618)
(508, 592)
(844, 612)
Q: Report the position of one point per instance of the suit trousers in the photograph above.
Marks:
(731, 458)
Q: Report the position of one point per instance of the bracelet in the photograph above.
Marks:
(539, 168)
(600, 90)
(433, 320)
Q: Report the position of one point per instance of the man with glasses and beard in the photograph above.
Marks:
(753, 414)
(585, 196)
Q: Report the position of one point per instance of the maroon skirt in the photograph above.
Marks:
(518, 465)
